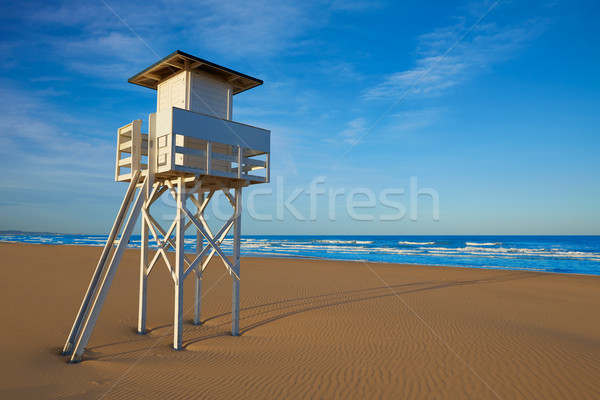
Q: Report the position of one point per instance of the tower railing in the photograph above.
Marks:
(132, 146)
(195, 143)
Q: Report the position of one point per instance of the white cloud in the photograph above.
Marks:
(234, 26)
(122, 36)
(354, 129)
(285, 146)
(354, 5)
(433, 74)
(37, 151)
(250, 28)
(407, 121)
(70, 13)
(127, 47)
(339, 71)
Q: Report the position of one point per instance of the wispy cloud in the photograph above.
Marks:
(103, 40)
(354, 129)
(404, 123)
(354, 5)
(256, 28)
(486, 45)
(111, 40)
(54, 175)
(108, 44)
(339, 71)
(409, 121)
(37, 149)
(234, 26)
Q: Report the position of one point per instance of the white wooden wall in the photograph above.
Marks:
(210, 96)
(196, 92)
(172, 92)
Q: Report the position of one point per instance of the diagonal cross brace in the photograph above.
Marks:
(163, 245)
(209, 238)
(220, 237)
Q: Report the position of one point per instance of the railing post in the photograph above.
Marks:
(172, 145)
(239, 162)
(268, 167)
(208, 157)
(136, 145)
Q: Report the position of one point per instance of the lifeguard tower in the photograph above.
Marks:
(192, 150)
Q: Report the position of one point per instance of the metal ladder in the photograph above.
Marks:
(105, 271)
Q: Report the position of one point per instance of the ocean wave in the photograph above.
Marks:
(553, 255)
(301, 247)
(542, 253)
(329, 248)
(338, 241)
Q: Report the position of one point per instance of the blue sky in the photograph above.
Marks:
(493, 107)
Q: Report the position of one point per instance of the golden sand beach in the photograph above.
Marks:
(309, 330)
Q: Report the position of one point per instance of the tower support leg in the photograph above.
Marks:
(143, 278)
(199, 247)
(235, 300)
(179, 265)
(197, 305)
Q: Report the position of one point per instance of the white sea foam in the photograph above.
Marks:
(417, 243)
(542, 253)
(337, 241)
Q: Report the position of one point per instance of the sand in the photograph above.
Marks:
(309, 329)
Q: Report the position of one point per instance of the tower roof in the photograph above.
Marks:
(179, 61)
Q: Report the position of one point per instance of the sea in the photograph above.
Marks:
(560, 254)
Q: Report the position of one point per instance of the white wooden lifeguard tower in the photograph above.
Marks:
(192, 150)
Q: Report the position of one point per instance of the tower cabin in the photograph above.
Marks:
(193, 125)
